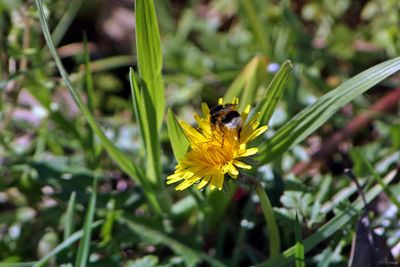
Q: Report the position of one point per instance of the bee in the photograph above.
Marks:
(226, 118)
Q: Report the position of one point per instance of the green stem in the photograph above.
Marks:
(271, 227)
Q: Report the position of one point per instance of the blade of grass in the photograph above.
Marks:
(312, 117)
(149, 55)
(112, 62)
(378, 178)
(88, 75)
(117, 155)
(106, 229)
(178, 139)
(83, 250)
(258, 29)
(19, 264)
(255, 74)
(89, 139)
(299, 246)
(155, 237)
(65, 21)
(245, 86)
(114, 152)
(69, 216)
(144, 113)
(274, 92)
(63, 245)
(271, 227)
(329, 228)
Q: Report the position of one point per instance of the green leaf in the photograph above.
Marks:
(106, 229)
(90, 143)
(192, 257)
(258, 28)
(150, 56)
(88, 76)
(378, 179)
(83, 250)
(245, 86)
(117, 155)
(312, 117)
(65, 244)
(112, 62)
(145, 115)
(19, 264)
(177, 137)
(329, 228)
(299, 247)
(146, 261)
(271, 226)
(274, 92)
(69, 216)
(66, 21)
(123, 161)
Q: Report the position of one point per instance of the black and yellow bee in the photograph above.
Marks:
(226, 118)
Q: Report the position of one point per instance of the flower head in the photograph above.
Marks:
(216, 149)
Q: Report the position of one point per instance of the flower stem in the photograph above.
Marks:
(271, 227)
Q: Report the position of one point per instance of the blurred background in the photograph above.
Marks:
(46, 152)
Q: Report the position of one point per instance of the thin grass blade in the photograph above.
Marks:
(145, 115)
(65, 22)
(18, 264)
(150, 56)
(378, 178)
(312, 117)
(69, 216)
(329, 228)
(274, 92)
(156, 237)
(258, 29)
(177, 137)
(299, 247)
(65, 244)
(117, 155)
(83, 250)
(245, 86)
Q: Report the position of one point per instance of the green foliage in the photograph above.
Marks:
(83, 250)
(299, 247)
(177, 137)
(83, 159)
(149, 56)
(267, 105)
(312, 117)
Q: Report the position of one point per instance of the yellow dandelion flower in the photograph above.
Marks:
(217, 146)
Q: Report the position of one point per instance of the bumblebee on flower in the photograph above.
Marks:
(217, 146)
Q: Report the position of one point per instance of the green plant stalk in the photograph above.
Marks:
(271, 227)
